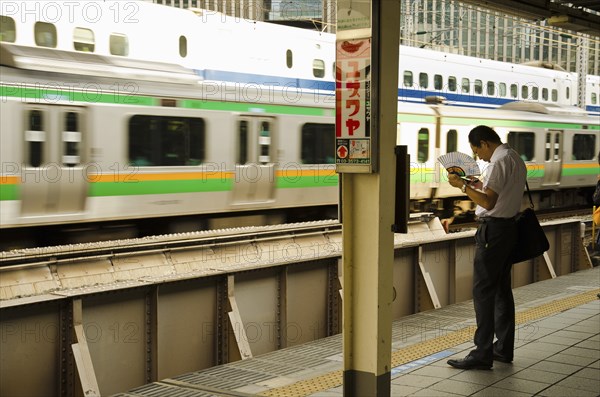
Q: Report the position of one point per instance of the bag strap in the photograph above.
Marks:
(529, 194)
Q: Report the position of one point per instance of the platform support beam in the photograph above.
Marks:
(81, 353)
(368, 215)
(236, 321)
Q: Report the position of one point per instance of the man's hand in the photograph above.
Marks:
(475, 183)
(456, 180)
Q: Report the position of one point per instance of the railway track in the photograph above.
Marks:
(165, 243)
(214, 238)
(51, 273)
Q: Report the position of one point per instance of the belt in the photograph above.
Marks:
(487, 219)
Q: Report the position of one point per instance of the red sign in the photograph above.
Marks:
(353, 102)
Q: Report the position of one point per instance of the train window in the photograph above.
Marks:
(318, 68)
(438, 81)
(423, 80)
(584, 146)
(544, 94)
(524, 92)
(183, 46)
(478, 87)
(452, 83)
(423, 145)
(408, 78)
(289, 59)
(242, 142)
(166, 141)
(523, 143)
(535, 93)
(35, 136)
(119, 44)
(317, 143)
(554, 95)
(552, 150)
(594, 98)
(451, 141)
(45, 34)
(264, 142)
(71, 137)
(491, 88)
(8, 30)
(513, 90)
(567, 92)
(502, 87)
(466, 85)
(83, 40)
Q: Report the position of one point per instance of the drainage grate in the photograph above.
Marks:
(298, 359)
(268, 366)
(162, 390)
(226, 377)
(196, 378)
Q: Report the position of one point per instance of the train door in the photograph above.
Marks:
(255, 160)
(553, 157)
(53, 180)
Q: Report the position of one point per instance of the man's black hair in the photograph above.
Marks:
(483, 133)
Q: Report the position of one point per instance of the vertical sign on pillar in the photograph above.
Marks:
(355, 141)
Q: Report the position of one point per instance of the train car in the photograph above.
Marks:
(560, 146)
(231, 51)
(99, 140)
(77, 148)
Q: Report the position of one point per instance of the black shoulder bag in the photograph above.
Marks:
(532, 241)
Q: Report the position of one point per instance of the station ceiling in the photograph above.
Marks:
(581, 16)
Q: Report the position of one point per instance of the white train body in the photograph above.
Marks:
(240, 52)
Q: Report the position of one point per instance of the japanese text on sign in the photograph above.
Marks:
(353, 102)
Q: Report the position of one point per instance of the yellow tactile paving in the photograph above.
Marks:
(431, 346)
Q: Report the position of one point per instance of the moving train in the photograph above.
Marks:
(110, 125)
(90, 139)
(237, 53)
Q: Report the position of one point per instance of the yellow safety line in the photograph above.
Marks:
(428, 347)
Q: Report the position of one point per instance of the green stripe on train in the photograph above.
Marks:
(94, 94)
(589, 171)
(158, 187)
(415, 118)
(9, 192)
(307, 181)
(194, 186)
(254, 107)
(91, 94)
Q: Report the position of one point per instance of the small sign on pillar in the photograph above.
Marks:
(353, 136)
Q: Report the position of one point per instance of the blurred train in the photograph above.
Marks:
(238, 53)
(137, 136)
(87, 139)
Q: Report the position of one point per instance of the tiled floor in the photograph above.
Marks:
(556, 356)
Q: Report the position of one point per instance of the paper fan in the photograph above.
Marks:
(459, 163)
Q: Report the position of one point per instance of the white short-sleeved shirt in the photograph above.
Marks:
(505, 175)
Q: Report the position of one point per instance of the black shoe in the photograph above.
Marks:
(469, 363)
(502, 359)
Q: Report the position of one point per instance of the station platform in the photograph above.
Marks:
(557, 353)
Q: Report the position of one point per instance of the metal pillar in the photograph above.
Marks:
(582, 67)
(367, 213)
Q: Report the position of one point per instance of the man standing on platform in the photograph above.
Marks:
(498, 197)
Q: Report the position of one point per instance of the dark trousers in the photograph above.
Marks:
(492, 289)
